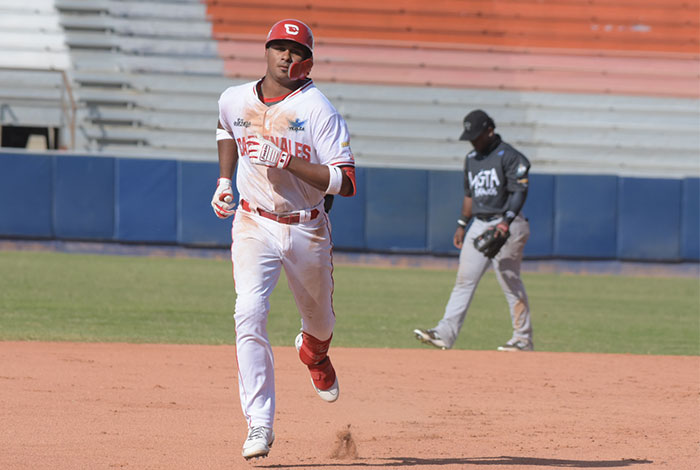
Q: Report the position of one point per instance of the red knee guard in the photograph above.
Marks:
(313, 351)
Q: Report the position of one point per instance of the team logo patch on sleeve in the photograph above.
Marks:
(522, 169)
(296, 125)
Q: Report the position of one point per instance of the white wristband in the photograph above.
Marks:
(222, 134)
(335, 181)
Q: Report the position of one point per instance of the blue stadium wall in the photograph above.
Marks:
(68, 197)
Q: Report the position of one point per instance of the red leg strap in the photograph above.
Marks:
(312, 350)
(323, 374)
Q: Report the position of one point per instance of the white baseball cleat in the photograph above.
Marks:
(329, 395)
(429, 336)
(519, 345)
(332, 393)
(258, 442)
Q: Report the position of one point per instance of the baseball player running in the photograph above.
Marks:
(291, 148)
(495, 187)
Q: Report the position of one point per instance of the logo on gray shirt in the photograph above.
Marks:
(485, 183)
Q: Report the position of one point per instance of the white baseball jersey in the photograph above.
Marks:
(305, 124)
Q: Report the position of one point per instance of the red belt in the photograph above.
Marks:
(282, 219)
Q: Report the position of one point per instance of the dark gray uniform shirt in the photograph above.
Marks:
(489, 178)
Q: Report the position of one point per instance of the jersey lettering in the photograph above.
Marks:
(292, 147)
(242, 148)
(298, 148)
(485, 183)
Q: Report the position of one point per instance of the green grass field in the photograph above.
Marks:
(52, 296)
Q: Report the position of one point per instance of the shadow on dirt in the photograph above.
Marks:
(398, 462)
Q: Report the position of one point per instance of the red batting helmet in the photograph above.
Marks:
(292, 30)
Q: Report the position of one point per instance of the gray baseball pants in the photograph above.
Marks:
(473, 265)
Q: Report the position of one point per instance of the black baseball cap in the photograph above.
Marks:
(475, 123)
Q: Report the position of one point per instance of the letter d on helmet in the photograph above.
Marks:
(294, 30)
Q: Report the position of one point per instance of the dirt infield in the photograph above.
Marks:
(104, 406)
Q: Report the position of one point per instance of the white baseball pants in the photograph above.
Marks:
(261, 248)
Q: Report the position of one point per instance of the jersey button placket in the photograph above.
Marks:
(268, 119)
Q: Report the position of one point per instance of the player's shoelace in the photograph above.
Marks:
(258, 432)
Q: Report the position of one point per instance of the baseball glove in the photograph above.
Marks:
(491, 241)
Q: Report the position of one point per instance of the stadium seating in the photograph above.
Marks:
(580, 86)
(572, 24)
(34, 88)
(591, 86)
(136, 67)
(484, 68)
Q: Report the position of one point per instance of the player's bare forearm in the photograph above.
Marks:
(228, 157)
(467, 208)
(458, 238)
(317, 175)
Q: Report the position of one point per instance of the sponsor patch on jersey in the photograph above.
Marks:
(485, 183)
(296, 125)
(522, 169)
(344, 144)
(240, 122)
